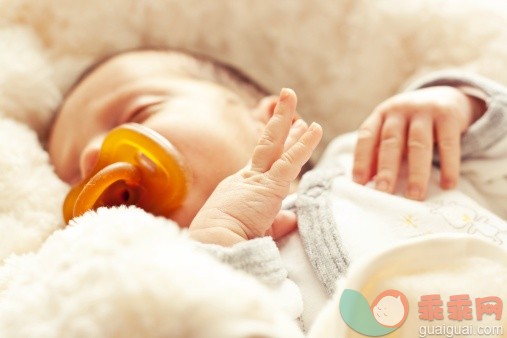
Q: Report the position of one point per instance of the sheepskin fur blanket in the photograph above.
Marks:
(124, 273)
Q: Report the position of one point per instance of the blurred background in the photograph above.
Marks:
(341, 56)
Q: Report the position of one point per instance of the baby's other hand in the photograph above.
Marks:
(408, 125)
(247, 204)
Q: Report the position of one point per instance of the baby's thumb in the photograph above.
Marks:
(284, 223)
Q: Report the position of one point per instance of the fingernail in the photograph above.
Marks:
(382, 185)
(298, 124)
(358, 177)
(314, 126)
(284, 93)
(414, 192)
(448, 184)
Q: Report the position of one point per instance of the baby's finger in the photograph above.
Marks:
(365, 151)
(448, 138)
(297, 129)
(288, 166)
(420, 155)
(284, 223)
(392, 145)
(271, 144)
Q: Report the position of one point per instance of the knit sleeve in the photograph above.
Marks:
(259, 257)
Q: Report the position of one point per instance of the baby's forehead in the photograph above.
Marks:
(119, 67)
(140, 62)
(114, 61)
(136, 65)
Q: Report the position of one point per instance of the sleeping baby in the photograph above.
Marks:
(244, 150)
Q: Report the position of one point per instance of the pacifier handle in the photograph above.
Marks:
(136, 166)
(125, 177)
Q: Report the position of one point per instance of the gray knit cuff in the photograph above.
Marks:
(488, 129)
(259, 257)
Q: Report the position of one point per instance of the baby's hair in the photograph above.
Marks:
(228, 76)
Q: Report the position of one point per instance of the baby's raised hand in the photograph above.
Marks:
(408, 125)
(247, 204)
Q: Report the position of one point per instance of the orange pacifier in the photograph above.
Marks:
(136, 166)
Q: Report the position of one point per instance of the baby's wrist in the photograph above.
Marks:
(478, 107)
(476, 100)
(215, 235)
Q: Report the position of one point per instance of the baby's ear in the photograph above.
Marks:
(266, 108)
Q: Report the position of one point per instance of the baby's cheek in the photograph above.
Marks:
(63, 165)
(191, 205)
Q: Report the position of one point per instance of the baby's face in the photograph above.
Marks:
(211, 127)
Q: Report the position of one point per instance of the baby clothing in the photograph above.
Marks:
(445, 285)
(340, 221)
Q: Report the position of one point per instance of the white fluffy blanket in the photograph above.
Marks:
(124, 273)
(112, 273)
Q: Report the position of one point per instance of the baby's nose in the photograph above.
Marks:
(90, 156)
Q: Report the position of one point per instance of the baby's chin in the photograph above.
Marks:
(184, 215)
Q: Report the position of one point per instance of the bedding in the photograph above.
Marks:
(117, 272)
(342, 57)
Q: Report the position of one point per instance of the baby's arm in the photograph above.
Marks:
(247, 204)
(408, 125)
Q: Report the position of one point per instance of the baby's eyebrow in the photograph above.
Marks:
(88, 70)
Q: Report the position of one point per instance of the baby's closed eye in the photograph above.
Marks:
(142, 112)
